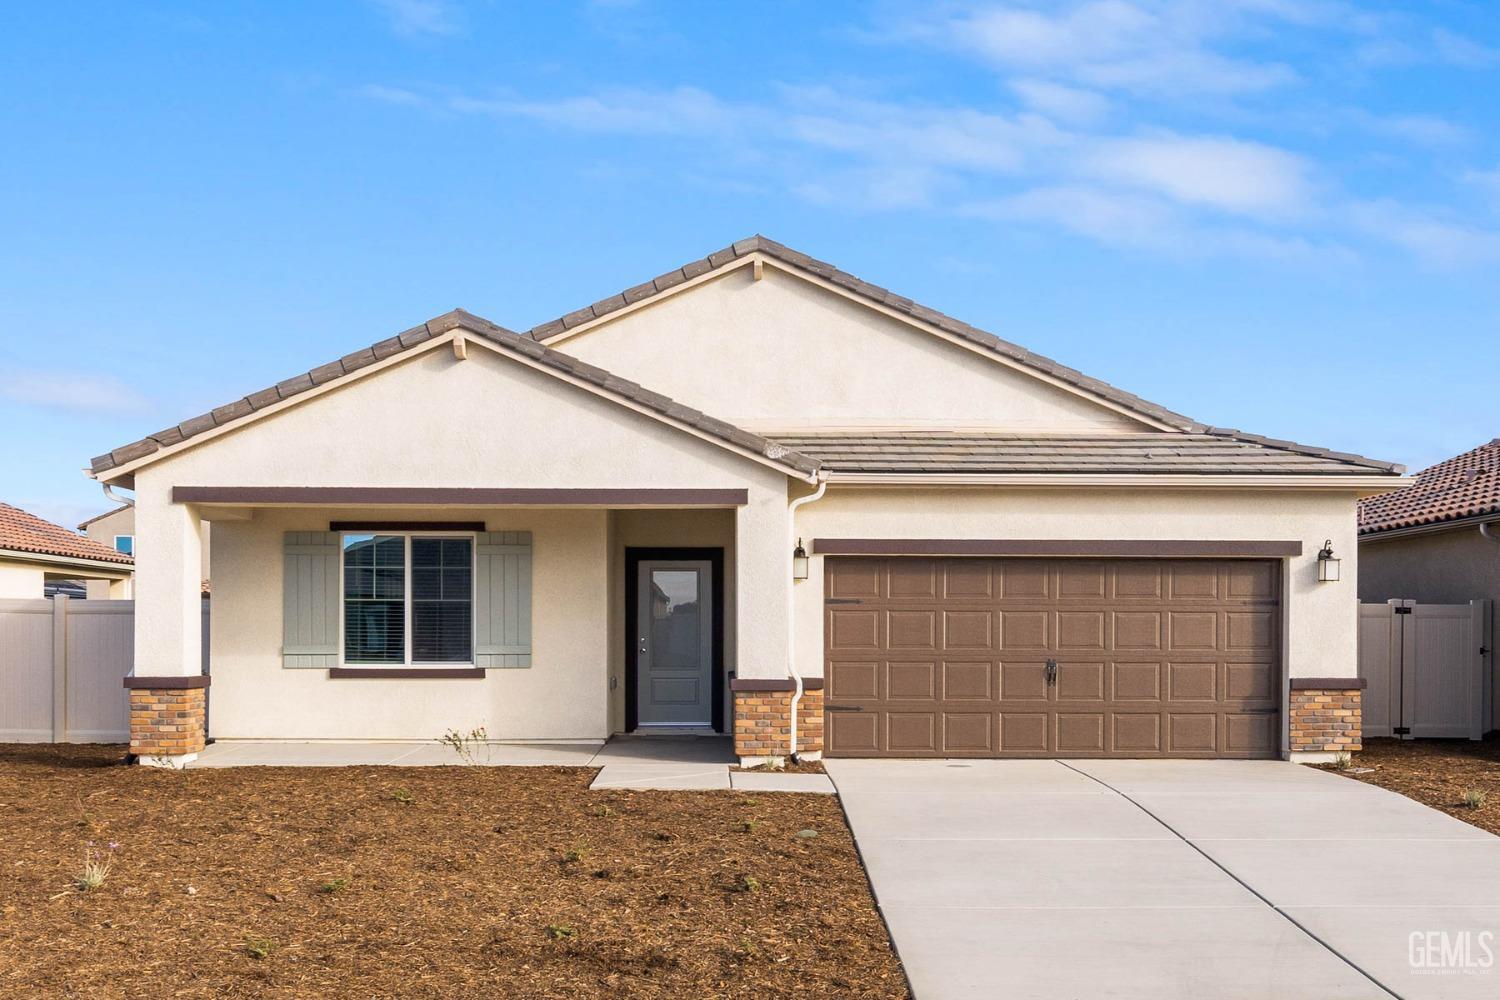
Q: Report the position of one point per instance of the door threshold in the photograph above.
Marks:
(646, 731)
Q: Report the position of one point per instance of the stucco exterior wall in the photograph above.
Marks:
(122, 522)
(1445, 567)
(21, 581)
(805, 357)
(1321, 618)
(437, 421)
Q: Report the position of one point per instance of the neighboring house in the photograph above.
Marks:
(116, 528)
(1438, 540)
(34, 553)
(462, 525)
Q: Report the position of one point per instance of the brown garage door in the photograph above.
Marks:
(1052, 658)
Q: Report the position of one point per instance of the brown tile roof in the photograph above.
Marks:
(875, 293)
(510, 341)
(1215, 452)
(1464, 486)
(23, 532)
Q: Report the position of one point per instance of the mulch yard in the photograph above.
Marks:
(1437, 773)
(422, 882)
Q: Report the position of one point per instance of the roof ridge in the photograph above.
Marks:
(900, 303)
(437, 326)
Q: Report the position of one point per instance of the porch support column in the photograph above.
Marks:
(762, 689)
(167, 686)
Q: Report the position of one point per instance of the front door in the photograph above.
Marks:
(674, 643)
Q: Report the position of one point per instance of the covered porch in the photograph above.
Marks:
(380, 614)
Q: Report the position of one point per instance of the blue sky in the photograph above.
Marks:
(1275, 215)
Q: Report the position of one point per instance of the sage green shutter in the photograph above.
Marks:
(310, 600)
(502, 599)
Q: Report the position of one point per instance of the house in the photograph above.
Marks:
(116, 528)
(1437, 541)
(755, 494)
(35, 553)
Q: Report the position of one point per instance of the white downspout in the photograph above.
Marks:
(109, 492)
(791, 650)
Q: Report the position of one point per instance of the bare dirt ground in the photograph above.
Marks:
(422, 882)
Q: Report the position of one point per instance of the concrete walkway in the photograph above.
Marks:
(1168, 879)
(642, 762)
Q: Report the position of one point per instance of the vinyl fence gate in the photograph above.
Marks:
(62, 668)
(1426, 669)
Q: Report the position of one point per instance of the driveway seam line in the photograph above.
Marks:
(1248, 888)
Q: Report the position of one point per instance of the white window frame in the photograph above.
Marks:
(131, 553)
(406, 645)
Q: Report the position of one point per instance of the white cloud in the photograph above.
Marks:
(1226, 174)
(682, 111)
(1425, 130)
(1431, 234)
(420, 17)
(74, 392)
(1112, 217)
(1486, 180)
(392, 95)
(1457, 50)
(1071, 104)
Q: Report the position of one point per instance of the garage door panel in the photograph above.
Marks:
(969, 733)
(1022, 630)
(1079, 733)
(1136, 681)
(911, 732)
(1151, 657)
(908, 681)
(1023, 732)
(852, 680)
(968, 681)
(1079, 682)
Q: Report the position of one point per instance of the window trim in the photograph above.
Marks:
(407, 664)
(131, 551)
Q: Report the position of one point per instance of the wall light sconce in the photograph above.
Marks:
(799, 562)
(1328, 566)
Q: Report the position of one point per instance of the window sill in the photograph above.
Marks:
(406, 673)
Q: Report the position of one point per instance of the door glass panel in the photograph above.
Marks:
(676, 622)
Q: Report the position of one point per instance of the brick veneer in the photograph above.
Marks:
(1326, 716)
(763, 722)
(166, 722)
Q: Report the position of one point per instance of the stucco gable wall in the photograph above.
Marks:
(784, 353)
(436, 421)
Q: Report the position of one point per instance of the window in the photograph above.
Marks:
(125, 544)
(408, 599)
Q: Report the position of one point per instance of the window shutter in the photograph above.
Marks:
(502, 591)
(310, 600)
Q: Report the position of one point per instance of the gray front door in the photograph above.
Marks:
(674, 651)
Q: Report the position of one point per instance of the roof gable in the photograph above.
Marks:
(453, 327)
(756, 250)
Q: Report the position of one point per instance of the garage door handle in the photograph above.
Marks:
(842, 708)
(1051, 672)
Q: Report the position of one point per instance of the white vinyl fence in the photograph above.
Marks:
(1426, 669)
(62, 668)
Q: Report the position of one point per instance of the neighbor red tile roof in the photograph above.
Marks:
(1464, 486)
(23, 532)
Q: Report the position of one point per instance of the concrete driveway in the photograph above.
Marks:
(1163, 879)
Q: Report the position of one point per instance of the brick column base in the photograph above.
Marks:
(167, 718)
(763, 719)
(1325, 714)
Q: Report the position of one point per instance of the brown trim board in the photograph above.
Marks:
(406, 526)
(1142, 548)
(167, 683)
(1328, 683)
(405, 673)
(460, 496)
(775, 684)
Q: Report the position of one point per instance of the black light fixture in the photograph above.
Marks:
(1328, 566)
(799, 562)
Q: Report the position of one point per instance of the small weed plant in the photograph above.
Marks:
(258, 948)
(559, 931)
(470, 746)
(1475, 798)
(402, 797)
(334, 886)
(97, 862)
(1342, 761)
